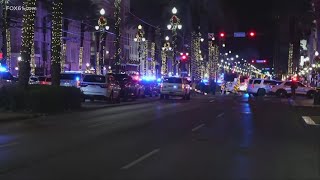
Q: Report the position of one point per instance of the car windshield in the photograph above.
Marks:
(121, 77)
(172, 80)
(94, 78)
(70, 76)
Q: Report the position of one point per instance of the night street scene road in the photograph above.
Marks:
(159, 90)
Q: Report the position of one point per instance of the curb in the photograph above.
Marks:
(116, 105)
(20, 118)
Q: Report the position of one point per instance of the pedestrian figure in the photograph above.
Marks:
(213, 87)
(294, 86)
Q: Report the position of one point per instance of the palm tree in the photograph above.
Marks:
(57, 11)
(27, 41)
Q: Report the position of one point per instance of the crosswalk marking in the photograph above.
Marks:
(308, 120)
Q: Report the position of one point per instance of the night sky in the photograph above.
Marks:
(226, 15)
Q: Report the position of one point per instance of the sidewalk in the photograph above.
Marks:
(102, 104)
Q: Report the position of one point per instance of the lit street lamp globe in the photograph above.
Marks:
(179, 26)
(316, 53)
(19, 58)
(96, 27)
(169, 26)
(143, 39)
(139, 27)
(167, 38)
(102, 12)
(87, 64)
(135, 39)
(174, 10)
(107, 28)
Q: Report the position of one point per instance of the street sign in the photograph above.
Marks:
(239, 34)
(210, 35)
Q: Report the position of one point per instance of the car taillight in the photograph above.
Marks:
(78, 84)
(83, 85)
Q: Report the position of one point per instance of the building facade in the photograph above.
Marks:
(72, 39)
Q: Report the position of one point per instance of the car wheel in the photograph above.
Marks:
(188, 97)
(167, 96)
(281, 93)
(310, 94)
(161, 96)
(261, 92)
(111, 99)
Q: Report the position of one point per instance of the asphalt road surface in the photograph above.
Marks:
(222, 137)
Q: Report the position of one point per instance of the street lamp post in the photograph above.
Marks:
(140, 38)
(175, 24)
(165, 49)
(102, 27)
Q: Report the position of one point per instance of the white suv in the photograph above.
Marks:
(175, 86)
(260, 87)
(284, 89)
(97, 87)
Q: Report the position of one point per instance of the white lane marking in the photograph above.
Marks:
(212, 101)
(197, 128)
(140, 159)
(220, 115)
(308, 120)
(8, 145)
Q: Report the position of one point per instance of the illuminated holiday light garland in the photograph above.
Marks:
(56, 33)
(163, 62)
(153, 59)
(8, 36)
(145, 58)
(33, 63)
(117, 18)
(63, 56)
(27, 40)
(80, 58)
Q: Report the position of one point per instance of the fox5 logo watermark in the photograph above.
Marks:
(20, 8)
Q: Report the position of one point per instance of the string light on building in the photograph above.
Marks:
(117, 17)
(139, 38)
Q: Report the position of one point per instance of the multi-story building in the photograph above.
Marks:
(72, 38)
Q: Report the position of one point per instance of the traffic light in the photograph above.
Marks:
(252, 34)
(184, 56)
(222, 35)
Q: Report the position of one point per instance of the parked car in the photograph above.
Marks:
(284, 89)
(128, 86)
(36, 79)
(260, 87)
(6, 78)
(140, 88)
(175, 86)
(98, 87)
(71, 79)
